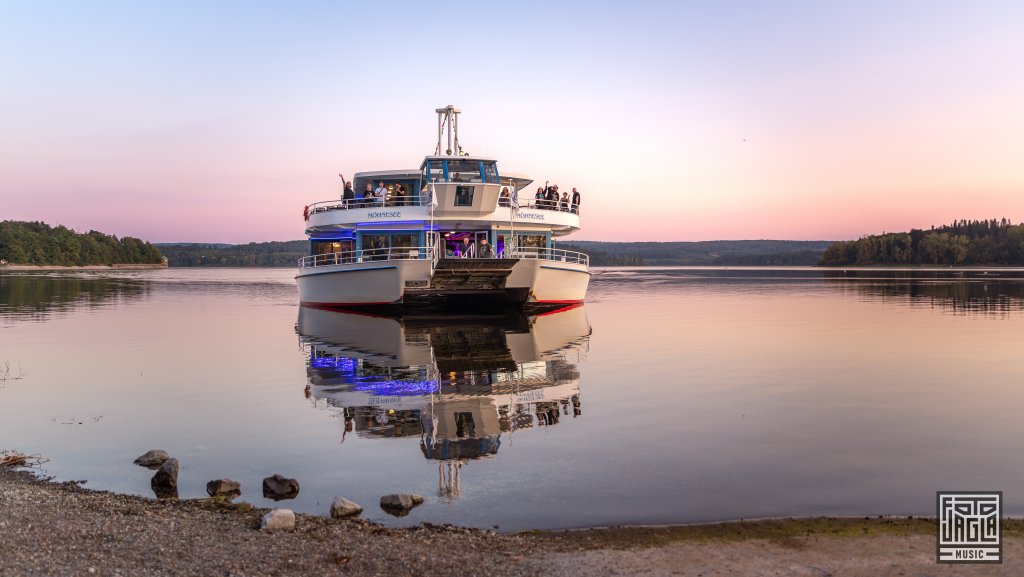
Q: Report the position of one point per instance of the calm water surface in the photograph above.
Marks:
(672, 396)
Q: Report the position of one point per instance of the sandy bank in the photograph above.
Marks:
(62, 529)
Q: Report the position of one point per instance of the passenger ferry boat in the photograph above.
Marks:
(462, 230)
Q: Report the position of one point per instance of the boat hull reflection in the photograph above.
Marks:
(459, 382)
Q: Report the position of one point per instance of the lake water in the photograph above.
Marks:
(672, 396)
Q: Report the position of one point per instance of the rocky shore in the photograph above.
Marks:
(49, 528)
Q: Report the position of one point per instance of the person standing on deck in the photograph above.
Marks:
(381, 193)
(575, 201)
(349, 196)
(484, 250)
(367, 196)
(400, 195)
(468, 249)
(553, 197)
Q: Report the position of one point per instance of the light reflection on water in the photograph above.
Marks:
(702, 394)
(457, 385)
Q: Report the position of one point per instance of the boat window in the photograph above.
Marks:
(531, 240)
(375, 241)
(433, 172)
(359, 185)
(464, 171)
(464, 195)
(464, 425)
(490, 172)
(403, 240)
(326, 247)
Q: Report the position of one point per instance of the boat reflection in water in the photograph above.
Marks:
(459, 382)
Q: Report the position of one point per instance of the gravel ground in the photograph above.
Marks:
(62, 529)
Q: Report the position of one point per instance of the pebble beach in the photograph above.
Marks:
(50, 528)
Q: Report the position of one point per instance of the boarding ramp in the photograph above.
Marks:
(471, 274)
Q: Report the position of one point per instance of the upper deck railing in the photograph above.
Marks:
(368, 255)
(326, 205)
(329, 205)
(428, 253)
(553, 254)
(535, 204)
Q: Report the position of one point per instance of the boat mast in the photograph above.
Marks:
(448, 121)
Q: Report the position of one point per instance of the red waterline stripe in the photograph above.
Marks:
(329, 306)
(561, 310)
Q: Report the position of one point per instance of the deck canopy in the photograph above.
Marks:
(515, 181)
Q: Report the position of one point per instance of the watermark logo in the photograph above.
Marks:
(969, 527)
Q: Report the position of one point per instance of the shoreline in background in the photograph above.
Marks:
(88, 267)
(862, 267)
(52, 528)
(715, 253)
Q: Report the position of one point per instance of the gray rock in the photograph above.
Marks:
(342, 507)
(165, 481)
(153, 458)
(280, 487)
(278, 520)
(165, 492)
(224, 488)
(399, 505)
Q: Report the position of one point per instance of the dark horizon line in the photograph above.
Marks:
(559, 240)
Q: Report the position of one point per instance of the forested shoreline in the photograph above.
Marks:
(962, 243)
(701, 253)
(274, 253)
(713, 253)
(37, 243)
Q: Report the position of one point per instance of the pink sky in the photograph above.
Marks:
(722, 121)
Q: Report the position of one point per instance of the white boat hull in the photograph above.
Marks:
(532, 281)
(360, 284)
(550, 281)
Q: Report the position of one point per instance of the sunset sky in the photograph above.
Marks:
(218, 122)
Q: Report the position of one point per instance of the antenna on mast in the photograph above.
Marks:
(448, 121)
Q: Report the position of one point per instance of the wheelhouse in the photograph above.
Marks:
(443, 169)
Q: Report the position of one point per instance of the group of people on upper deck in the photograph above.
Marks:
(549, 199)
(546, 198)
(376, 196)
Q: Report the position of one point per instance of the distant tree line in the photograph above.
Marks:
(37, 243)
(715, 253)
(964, 242)
(793, 258)
(285, 253)
(602, 258)
(702, 253)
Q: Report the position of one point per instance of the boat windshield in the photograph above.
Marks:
(460, 170)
